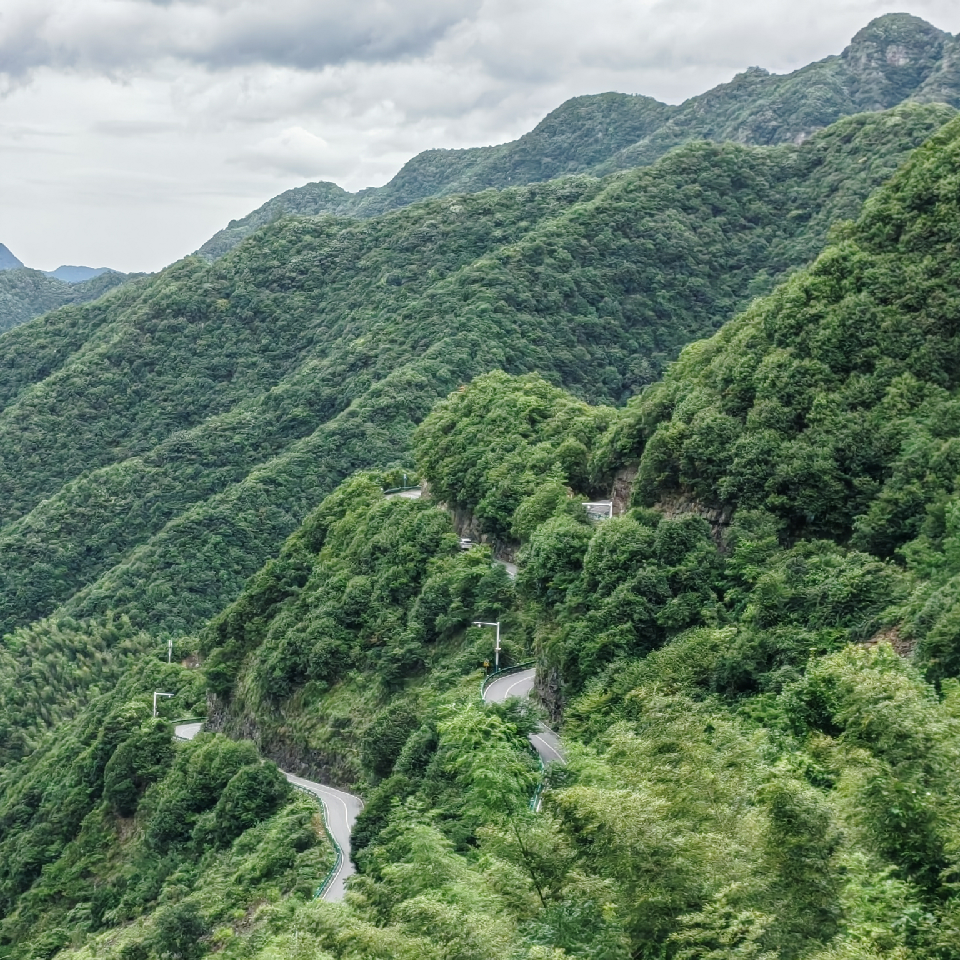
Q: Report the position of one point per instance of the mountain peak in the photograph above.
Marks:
(7, 260)
(898, 28)
(892, 56)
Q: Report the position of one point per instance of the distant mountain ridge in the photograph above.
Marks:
(65, 272)
(895, 58)
(26, 293)
(73, 274)
(7, 259)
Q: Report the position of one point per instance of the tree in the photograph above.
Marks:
(142, 759)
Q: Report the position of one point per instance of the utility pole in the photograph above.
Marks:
(496, 651)
(169, 649)
(157, 693)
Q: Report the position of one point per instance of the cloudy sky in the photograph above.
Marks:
(131, 130)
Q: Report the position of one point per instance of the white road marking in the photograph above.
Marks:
(550, 747)
(343, 803)
(516, 683)
(546, 751)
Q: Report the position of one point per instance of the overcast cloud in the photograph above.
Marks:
(131, 130)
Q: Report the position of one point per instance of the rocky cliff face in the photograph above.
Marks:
(622, 492)
(285, 751)
(943, 83)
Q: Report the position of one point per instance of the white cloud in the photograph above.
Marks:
(130, 35)
(293, 150)
(131, 130)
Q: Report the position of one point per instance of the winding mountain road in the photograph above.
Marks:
(340, 811)
(545, 741)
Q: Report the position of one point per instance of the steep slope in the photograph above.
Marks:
(730, 738)
(895, 58)
(111, 826)
(832, 403)
(157, 446)
(50, 670)
(757, 767)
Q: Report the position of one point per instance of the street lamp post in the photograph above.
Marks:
(157, 693)
(496, 650)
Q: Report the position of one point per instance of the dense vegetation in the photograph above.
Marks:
(110, 824)
(25, 293)
(157, 446)
(52, 669)
(752, 773)
(755, 667)
(370, 597)
(895, 58)
(832, 404)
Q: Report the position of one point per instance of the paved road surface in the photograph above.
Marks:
(545, 741)
(187, 731)
(511, 568)
(547, 744)
(512, 685)
(340, 811)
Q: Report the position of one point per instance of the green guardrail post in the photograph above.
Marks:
(338, 851)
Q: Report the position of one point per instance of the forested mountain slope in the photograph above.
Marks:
(896, 57)
(761, 713)
(25, 293)
(572, 139)
(832, 403)
(111, 826)
(735, 738)
(754, 668)
(158, 445)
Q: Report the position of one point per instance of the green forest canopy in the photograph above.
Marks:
(756, 768)
(157, 446)
(755, 668)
